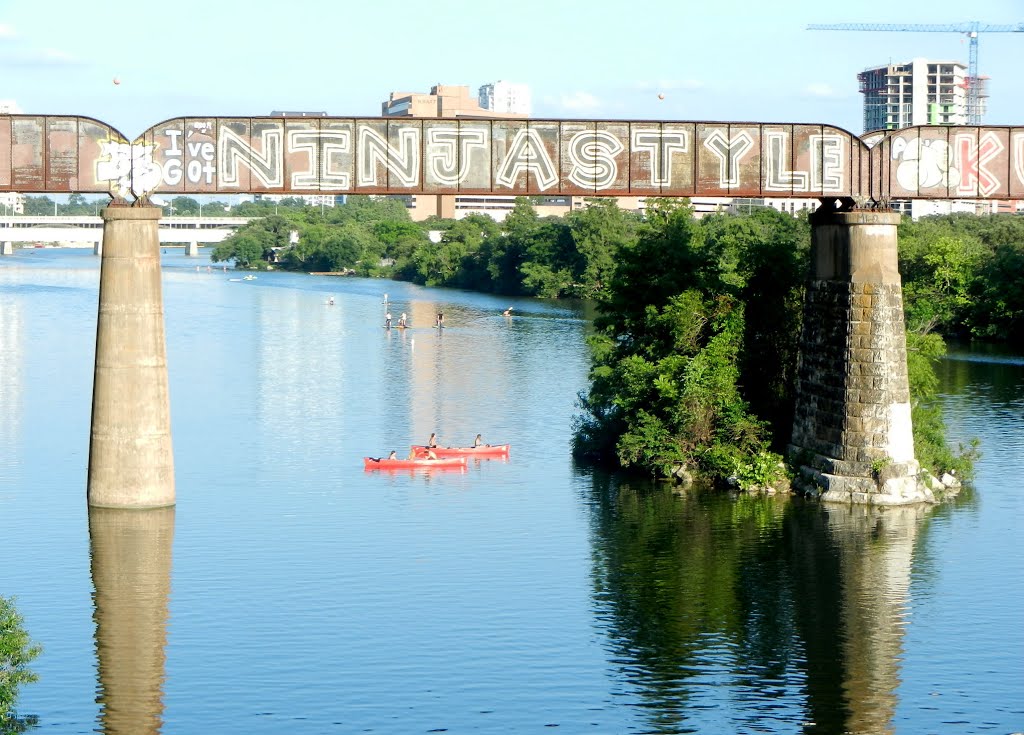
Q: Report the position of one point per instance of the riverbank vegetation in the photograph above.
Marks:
(16, 653)
(696, 342)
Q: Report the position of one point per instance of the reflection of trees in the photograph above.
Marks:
(131, 572)
(791, 611)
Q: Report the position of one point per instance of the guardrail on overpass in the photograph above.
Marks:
(87, 231)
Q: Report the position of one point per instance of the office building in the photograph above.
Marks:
(505, 97)
(448, 101)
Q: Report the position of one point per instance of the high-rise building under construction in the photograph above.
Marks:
(919, 92)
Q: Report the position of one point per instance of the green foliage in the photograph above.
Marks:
(16, 653)
(255, 244)
(930, 445)
(962, 275)
(998, 311)
(665, 384)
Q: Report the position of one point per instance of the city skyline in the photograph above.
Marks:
(694, 63)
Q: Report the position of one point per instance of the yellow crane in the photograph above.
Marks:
(971, 30)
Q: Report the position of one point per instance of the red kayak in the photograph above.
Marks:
(484, 450)
(371, 463)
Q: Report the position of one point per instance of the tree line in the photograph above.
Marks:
(695, 349)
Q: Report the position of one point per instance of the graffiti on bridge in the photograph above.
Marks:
(511, 157)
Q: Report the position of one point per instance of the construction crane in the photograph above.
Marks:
(971, 30)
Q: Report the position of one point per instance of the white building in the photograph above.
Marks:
(9, 107)
(506, 97)
(11, 202)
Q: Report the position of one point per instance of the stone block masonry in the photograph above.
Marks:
(852, 433)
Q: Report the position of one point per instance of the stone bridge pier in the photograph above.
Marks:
(852, 436)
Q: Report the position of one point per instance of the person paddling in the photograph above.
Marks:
(432, 441)
(507, 312)
(401, 320)
(478, 442)
(387, 320)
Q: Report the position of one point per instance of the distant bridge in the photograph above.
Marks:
(87, 231)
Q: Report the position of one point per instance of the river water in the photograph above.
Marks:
(290, 591)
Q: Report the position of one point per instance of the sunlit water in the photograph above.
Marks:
(290, 591)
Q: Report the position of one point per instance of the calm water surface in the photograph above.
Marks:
(291, 592)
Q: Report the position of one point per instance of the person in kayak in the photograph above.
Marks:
(393, 455)
(478, 442)
(432, 441)
(507, 312)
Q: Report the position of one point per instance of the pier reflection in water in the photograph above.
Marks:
(131, 573)
(310, 596)
(754, 614)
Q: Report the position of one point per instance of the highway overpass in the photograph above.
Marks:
(87, 231)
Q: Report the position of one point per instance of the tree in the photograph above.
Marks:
(254, 244)
(39, 206)
(445, 263)
(370, 209)
(665, 378)
(598, 232)
(16, 653)
(184, 206)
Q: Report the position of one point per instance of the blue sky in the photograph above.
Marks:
(711, 60)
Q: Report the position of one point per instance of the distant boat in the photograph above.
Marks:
(372, 463)
(249, 278)
(491, 450)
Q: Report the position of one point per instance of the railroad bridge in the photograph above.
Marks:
(853, 403)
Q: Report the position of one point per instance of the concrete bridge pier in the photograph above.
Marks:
(192, 248)
(852, 436)
(97, 249)
(130, 460)
(7, 248)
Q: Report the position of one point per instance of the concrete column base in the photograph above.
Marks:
(131, 464)
(192, 248)
(7, 248)
(98, 248)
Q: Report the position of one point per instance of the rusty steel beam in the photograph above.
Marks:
(331, 155)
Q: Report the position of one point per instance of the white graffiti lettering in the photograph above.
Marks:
(130, 169)
(661, 146)
(329, 175)
(528, 155)
(779, 177)
(592, 158)
(403, 163)
(729, 153)
(827, 165)
(235, 152)
(923, 163)
(450, 153)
